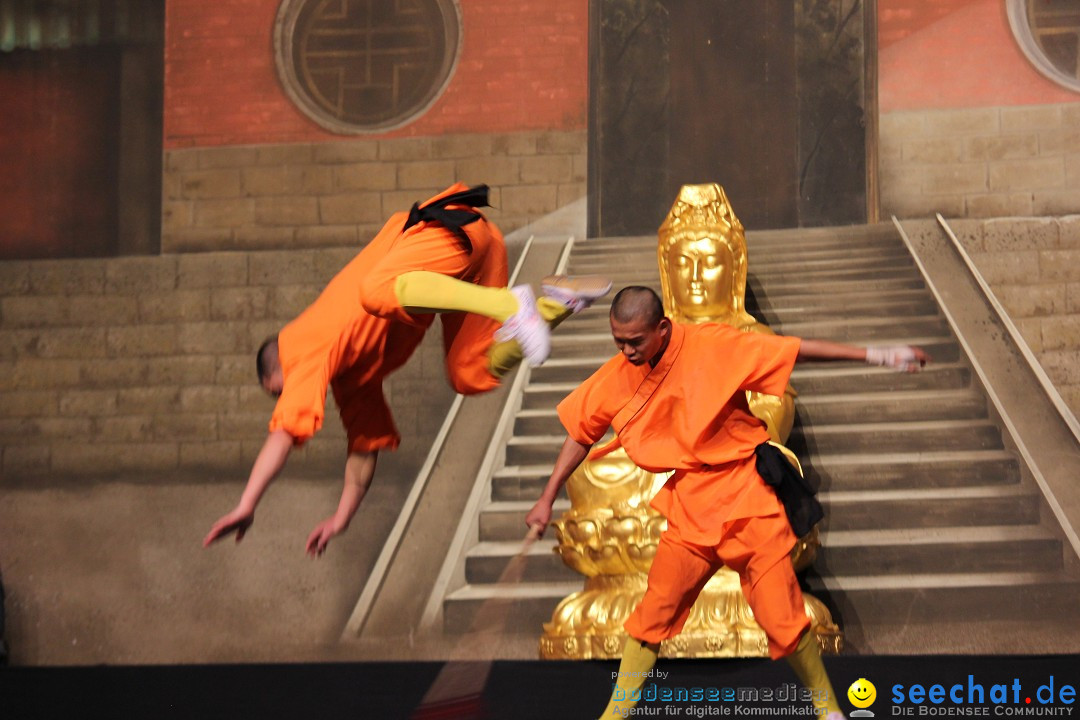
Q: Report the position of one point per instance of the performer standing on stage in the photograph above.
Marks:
(442, 257)
(676, 397)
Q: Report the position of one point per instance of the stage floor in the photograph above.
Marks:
(905, 687)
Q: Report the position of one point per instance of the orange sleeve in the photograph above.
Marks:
(761, 363)
(300, 409)
(587, 412)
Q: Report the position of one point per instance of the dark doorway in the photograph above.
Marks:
(767, 97)
(81, 129)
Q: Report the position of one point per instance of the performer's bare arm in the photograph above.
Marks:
(570, 456)
(275, 451)
(901, 357)
(359, 469)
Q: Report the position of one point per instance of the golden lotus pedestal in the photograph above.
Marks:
(588, 624)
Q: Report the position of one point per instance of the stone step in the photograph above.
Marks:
(890, 406)
(845, 553)
(855, 285)
(871, 471)
(839, 300)
(932, 435)
(758, 261)
(796, 241)
(837, 378)
(792, 313)
(850, 408)
(924, 598)
(809, 248)
(935, 597)
(579, 341)
(505, 521)
(574, 364)
(833, 379)
(767, 277)
(828, 327)
(908, 509)
(487, 561)
(835, 311)
(933, 507)
(991, 548)
(519, 607)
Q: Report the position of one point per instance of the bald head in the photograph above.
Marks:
(638, 325)
(637, 303)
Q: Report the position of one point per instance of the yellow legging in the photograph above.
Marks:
(422, 291)
(638, 658)
(806, 662)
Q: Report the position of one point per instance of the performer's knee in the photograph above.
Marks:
(378, 299)
(778, 607)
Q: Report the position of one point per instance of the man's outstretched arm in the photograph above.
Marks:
(900, 357)
(359, 469)
(570, 456)
(275, 451)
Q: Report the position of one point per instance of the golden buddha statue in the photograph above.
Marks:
(610, 534)
(702, 255)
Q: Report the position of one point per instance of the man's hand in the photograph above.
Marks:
(903, 358)
(238, 521)
(538, 518)
(320, 536)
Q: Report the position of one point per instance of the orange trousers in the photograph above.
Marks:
(758, 549)
(427, 246)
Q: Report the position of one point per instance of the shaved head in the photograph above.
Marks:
(637, 303)
(266, 359)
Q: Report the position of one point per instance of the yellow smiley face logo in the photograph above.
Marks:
(862, 693)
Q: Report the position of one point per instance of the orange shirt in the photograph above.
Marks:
(689, 414)
(355, 333)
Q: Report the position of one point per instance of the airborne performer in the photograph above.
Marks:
(442, 257)
(676, 396)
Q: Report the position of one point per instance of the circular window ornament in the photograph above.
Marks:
(1048, 32)
(364, 66)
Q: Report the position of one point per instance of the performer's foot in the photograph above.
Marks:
(576, 293)
(527, 327)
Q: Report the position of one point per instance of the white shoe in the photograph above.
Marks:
(575, 293)
(527, 327)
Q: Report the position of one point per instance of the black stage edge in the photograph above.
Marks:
(905, 687)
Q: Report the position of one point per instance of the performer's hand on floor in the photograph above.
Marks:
(238, 521)
(538, 518)
(320, 536)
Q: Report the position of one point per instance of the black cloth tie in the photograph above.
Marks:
(795, 493)
(452, 220)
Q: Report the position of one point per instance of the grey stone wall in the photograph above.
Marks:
(340, 193)
(144, 365)
(982, 162)
(1033, 267)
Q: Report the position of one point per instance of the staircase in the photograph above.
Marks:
(929, 518)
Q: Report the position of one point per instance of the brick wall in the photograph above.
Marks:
(981, 162)
(522, 66)
(319, 194)
(1033, 266)
(144, 365)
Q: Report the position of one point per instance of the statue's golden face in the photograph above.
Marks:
(702, 274)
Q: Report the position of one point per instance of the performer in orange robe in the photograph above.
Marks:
(442, 257)
(676, 397)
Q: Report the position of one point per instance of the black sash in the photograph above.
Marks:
(795, 493)
(452, 220)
